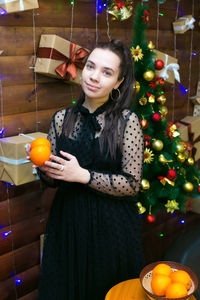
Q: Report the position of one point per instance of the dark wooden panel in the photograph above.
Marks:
(26, 123)
(29, 282)
(30, 296)
(22, 98)
(59, 13)
(23, 258)
(23, 233)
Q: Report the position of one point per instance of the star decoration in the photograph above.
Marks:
(148, 156)
(146, 17)
(171, 206)
(137, 53)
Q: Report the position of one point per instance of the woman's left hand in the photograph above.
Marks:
(67, 170)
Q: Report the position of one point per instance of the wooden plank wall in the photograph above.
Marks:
(28, 106)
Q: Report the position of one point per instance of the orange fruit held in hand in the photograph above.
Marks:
(40, 142)
(39, 155)
(183, 277)
(159, 284)
(176, 290)
(163, 269)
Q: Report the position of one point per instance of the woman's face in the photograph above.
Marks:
(100, 74)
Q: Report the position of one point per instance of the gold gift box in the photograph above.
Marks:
(190, 123)
(11, 6)
(55, 52)
(180, 25)
(170, 60)
(14, 168)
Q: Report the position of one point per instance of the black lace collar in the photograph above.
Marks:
(82, 109)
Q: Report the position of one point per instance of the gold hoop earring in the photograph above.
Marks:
(113, 97)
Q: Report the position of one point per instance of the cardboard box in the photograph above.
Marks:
(58, 58)
(183, 24)
(170, 71)
(11, 6)
(14, 168)
(189, 129)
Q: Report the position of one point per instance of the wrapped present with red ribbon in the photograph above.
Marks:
(60, 58)
(11, 6)
(189, 129)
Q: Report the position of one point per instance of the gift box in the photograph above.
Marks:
(190, 133)
(11, 6)
(170, 70)
(183, 24)
(60, 58)
(14, 167)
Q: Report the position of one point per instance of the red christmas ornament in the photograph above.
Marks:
(171, 174)
(147, 143)
(144, 123)
(156, 117)
(151, 218)
(198, 189)
(159, 64)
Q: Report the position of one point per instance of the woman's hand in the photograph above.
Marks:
(67, 170)
(28, 151)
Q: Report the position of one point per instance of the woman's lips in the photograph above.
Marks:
(91, 87)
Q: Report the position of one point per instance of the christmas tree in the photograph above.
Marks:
(169, 173)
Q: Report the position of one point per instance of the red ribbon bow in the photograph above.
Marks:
(71, 63)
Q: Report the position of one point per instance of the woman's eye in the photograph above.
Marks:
(90, 66)
(107, 73)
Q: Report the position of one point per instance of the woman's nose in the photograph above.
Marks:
(95, 75)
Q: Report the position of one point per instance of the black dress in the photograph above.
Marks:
(93, 238)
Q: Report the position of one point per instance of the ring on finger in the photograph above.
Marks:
(61, 168)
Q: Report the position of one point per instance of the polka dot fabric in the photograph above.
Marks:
(93, 236)
(128, 182)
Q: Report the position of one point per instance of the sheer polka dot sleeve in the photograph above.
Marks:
(55, 130)
(127, 182)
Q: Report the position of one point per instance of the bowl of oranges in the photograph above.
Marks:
(167, 280)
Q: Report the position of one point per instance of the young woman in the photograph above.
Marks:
(93, 238)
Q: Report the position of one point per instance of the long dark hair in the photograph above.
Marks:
(117, 104)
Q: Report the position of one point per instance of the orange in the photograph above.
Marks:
(159, 284)
(163, 269)
(40, 142)
(39, 155)
(183, 277)
(176, 290)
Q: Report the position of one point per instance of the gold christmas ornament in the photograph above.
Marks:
(163, 111)
(145, 185)
(190, 161)
(151, 99)
(180, 147)
(143, 101)
(136, 86)
(161, 99)
(148, 156)
(137, 53)
(181, 158)
(163, 160)
(188, 186)
(151, 46)
(149, 75)
(157, 145)
(165, 180)
(171, 206)
(120, 13)
(172, 131)
(141, 209)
